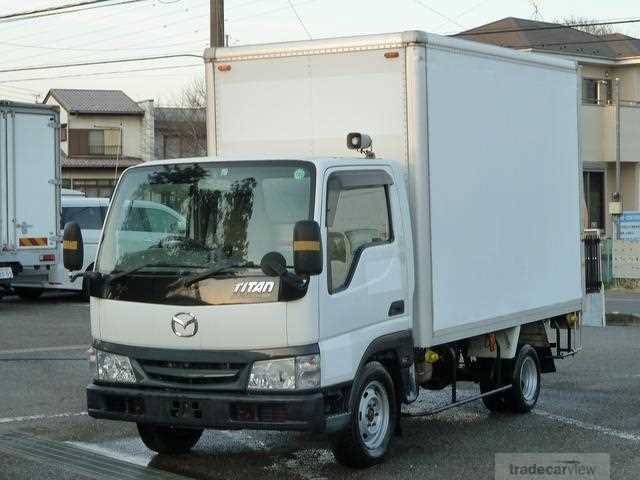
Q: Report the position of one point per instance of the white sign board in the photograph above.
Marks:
(630, 226)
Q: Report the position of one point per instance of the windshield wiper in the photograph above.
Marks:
(115, 276)
(223, 267)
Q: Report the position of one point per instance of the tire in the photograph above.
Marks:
(525, 390)
(29, 293)
(374, 414)
(494, 403)
(168, 440)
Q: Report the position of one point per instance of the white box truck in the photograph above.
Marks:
(318, 289)
(29, 191)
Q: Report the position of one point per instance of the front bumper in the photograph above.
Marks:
(215, 410)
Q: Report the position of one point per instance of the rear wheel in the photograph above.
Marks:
(494, 403)
(374, 413)
(29, 293)
(524, 375)
(169, 440)
(525, 390)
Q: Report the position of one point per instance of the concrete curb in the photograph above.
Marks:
(623, 319)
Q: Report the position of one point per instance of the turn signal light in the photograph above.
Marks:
(224, 67)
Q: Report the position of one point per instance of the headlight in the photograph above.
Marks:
(295, 373)
(114, 368)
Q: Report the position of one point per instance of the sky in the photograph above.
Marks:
(160, 27)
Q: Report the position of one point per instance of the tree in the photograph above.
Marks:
(180, 124)
(599, 30)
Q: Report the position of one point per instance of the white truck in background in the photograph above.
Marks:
(314, 289)
(89, 213)
(30, 175)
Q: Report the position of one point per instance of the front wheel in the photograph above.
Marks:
(374, 413)
(168, 440)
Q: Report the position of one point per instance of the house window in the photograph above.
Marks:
(95, 142)
(100, 187)
(597, 91)
(594, 198)
(63, 132)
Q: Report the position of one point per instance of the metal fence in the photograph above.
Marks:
(592, 261)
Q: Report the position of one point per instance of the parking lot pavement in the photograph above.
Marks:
(590, 405)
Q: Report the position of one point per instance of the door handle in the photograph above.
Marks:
(396, 308)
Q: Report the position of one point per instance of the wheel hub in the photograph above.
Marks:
(373, 415)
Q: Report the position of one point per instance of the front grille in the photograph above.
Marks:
(191, 373)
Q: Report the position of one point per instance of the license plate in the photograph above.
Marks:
(5, 273)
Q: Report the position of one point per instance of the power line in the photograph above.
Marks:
(80, 49)
(548, 27)
(440, 14)
(100, 62)
(110, 28)
(300, 20)
(19, 89)
(463, 13)
(95, 74)
(61, 9)
(268, 12)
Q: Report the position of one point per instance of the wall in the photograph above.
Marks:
(64, 118)
(147, 146)
(131, 129)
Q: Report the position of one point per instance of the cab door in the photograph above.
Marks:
(364, 289)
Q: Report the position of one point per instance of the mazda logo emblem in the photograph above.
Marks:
(184, 325)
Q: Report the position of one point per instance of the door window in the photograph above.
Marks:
(358, 217)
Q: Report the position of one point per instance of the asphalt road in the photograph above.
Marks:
(590, 405)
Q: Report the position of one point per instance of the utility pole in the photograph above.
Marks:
(217, 23)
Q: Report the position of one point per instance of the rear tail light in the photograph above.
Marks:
(50, 257)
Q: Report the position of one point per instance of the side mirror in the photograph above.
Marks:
(307, 248)
(73, 247)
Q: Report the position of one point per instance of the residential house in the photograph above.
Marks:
(603, 59)
(175, 132)
(101, 134)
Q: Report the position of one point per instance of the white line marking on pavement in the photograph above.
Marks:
(62, 348)
(40, 417)
(589, 426)
(111, 453)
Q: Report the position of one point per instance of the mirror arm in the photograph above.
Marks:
(294, 280)
(91, 275)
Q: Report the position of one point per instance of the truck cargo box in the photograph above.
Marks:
(488, 139)
(29, 187)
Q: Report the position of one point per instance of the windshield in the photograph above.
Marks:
(195, 216)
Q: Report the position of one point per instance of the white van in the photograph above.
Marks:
(143, 218)
(89, 213)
